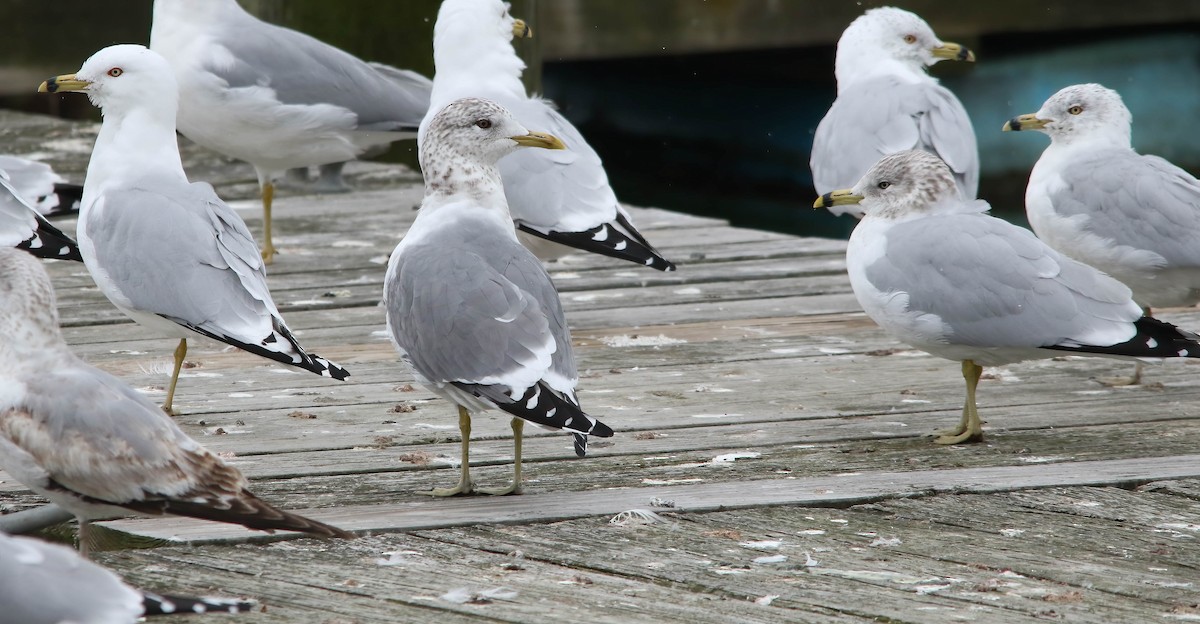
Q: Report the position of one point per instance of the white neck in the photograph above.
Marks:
(469, 65)
(857, 64)
(131, 145)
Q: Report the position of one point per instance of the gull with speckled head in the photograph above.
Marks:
(559, 199)
(95, 446)
(1095, 199)
(277, 98)
(22, 226)
(887, 103)
(938, 273)
(168, 253)
(43, 583)
(472, 311)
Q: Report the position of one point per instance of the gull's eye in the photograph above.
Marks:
(883, 185)
(1075, 110)
(484, 123)
(910, 38)
(116, 71)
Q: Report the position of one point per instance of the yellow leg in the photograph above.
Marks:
(518, 428)
(180, 352)
(970, 429)
(464, 482)
(268, 195)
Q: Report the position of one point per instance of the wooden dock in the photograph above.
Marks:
(772, 461)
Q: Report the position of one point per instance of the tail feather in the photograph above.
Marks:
(1154, 339)
(616, 239)
(154, 604)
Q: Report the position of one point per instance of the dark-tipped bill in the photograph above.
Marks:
(1024, 122)
(65, 82)
(843, 197)
(521, 29)
(539, 139)
(954, 52)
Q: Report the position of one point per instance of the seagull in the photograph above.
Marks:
(938, 273)
(886, 103)
(472, 311)
(1093, 198)
(558, 199)
(169, 254)
(277, 98)
(40, 186)
(42, 583)
(95, 446)
(22, 226)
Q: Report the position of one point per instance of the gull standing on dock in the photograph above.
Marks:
(472, 312)
(277, 98)
(95, 446)
(169, 254)
(43, 583)
(938, 273)
(24, 227)
(1093, 198)
(558, 199)
(887, 103)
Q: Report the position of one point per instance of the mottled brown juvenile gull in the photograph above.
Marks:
(42, 583)
(886, 103)
(559, 199)
(472, 312)
(95, 446)
(169, 254)
(22, 226)
(938, 273)
(1093, 198)
(277, 98)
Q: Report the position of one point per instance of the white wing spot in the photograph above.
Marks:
(1151, 343)
(620, 246)
(602, 235)
(533, 401)
(1183, 353)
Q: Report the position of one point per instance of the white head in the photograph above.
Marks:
(1082, 112)
(904, 183)
(122, 78)
(466, 138)
(471, 33)
(891, 34)
(28, 314)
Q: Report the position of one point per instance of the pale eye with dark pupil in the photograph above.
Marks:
(910, 38)
(116, 71)
(1075, 110)
(484, 123)
(883, 185)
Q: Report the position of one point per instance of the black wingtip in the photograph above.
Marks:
(50, 243)
(615, 239)
(1154, 339)
(154, 605)
(70, 196)
(310, 362)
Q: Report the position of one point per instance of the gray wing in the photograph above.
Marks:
(43, 583)
(562, 190)
(21, 226)
(882, 116)
(476, 308)
(1143, 202)
(303, 70)
(996, 285)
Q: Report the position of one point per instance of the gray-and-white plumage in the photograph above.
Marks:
(1092, 197)
(277, 98)
(887, 103)
(37, 183)
(561, 198)
(21, 225)
(168, 253)
(938, 273)
(92, 444)
(43, 583)
(470, 309)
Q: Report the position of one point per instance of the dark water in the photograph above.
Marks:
(726, 134)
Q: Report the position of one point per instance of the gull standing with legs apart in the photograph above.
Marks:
(935, 272)
(277, 98)
(24, 227)
(43, 583)
(95, 446)
(471, 311)
(169, 254)
(558, 199)
(1095, 199)
(886, 103)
